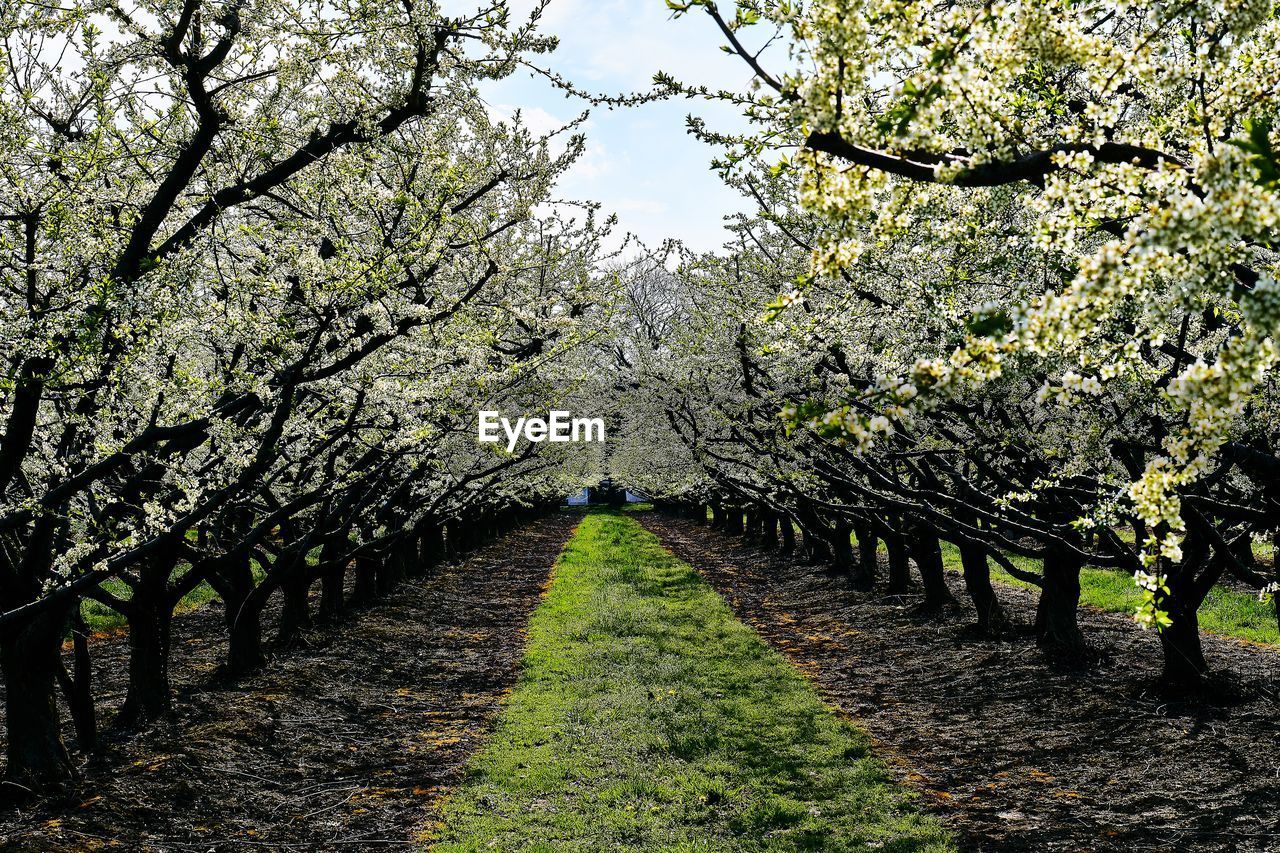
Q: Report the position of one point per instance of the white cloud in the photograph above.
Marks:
(639, 162)
(594, 163)
(538, 120)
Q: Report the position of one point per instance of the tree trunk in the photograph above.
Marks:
(149, 696)
(295, 611)
(391, 569)
(332, 583)
(244, 653)
(933, 575)
(977, 580)
(816, 549)
(460, 535)
(365, 587)
(1057, 631)
(733, 521)
(841, 548)
(30, 657)
(864, 575)
(433, 550)
(788, 534)
(899, 565)
(1188, 583)
(768, 531)
(1184, 663)
(243, 614)
(77, 686)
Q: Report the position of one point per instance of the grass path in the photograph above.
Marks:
(647, 717)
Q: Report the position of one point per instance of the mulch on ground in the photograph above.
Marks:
(1012, 753)
(347, 743)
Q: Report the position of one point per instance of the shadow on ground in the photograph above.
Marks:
(1014, 755)
(343, 744)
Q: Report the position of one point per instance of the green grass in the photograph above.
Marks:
(647, 717)
(1227, 612)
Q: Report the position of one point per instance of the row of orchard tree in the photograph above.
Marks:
(261, 262)
(1010, 283)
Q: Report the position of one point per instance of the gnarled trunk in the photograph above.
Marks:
(242, 610)
(1184, 663)
(149, 695)
(841, 547)
(433, 547)
(733, 521)
(864, 575)
(332, 583)
(365, 590)
(788, 532)
(1057, 630)
(244, 650)
(30, 658)
(1188, 583)
(768, 530)
(77, 685)
(899, 562)
(977, 580)
(816, 549)
(927, 552)
(295, 611)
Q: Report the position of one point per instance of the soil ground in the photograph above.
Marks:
(1013, 754)
(346, 743)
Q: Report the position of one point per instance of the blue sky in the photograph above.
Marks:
(640, 162)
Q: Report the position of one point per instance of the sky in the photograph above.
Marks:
(640, 162)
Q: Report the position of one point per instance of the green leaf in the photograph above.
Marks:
(990, 323)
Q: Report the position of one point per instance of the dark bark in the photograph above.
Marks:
(244, 650)
(788, 530)
(365, 588)
(864, 574)
(1184, 663)
(816, 549)
(295, 610)
(977, 580)
(733, 521)
(30, 658)
(393, 567)
(150, 616)
(841, 547)
(899, 565)
(768, 530)
(1057, 629)
(432, 549)
(77, 685)
(927, 551)
(242, 612)
(332, 602)
(1188, 583)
